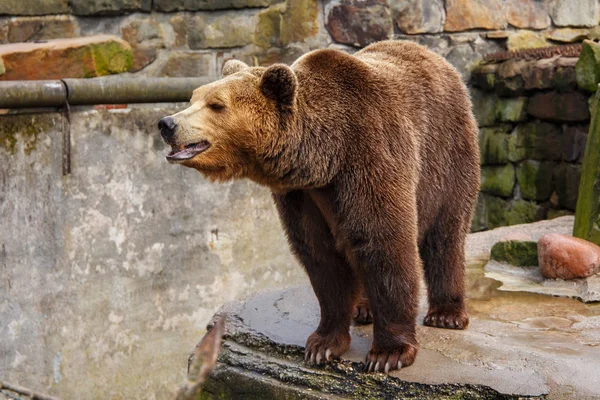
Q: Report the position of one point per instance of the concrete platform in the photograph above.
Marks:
(518, 345)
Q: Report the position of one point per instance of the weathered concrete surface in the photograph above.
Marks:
(518, 344)
(109, 275)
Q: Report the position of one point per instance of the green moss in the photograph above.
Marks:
(268, 30)
(587, 69)
(484, 80)
(567, 178)
(282, 24)
(24, 129)
(498, 180)
(111, 58)
(536, 141)
(516, 252)
(523, 212)
(535, 179)
(496, 209)
(493, 145)
(587, 215)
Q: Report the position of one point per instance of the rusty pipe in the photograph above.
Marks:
(56, 93)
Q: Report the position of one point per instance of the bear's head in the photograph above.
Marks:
(232, 122)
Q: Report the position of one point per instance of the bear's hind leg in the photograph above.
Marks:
(332, 279)
(362, 310)
(443, 255)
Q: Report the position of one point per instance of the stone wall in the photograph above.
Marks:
(194, 37)
(533, 122)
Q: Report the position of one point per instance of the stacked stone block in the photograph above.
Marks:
(194, 37)
(533, 126)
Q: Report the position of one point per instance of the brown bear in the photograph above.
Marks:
(373, 162)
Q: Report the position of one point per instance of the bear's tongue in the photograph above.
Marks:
(186, 152)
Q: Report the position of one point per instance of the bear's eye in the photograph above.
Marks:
(216, 106)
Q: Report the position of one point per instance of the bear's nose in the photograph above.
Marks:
(167, 126)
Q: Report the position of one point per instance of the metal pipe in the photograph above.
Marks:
(29, 94)
(19, 94)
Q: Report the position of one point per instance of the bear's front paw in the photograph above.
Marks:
(322, 348)
(449, 319)
(362, 312)
(391, 359)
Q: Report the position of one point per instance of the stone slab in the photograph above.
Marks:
(82, 57)
(463, 15)
(518, 344)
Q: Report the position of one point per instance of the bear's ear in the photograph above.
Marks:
(233, 66)
(279, 83)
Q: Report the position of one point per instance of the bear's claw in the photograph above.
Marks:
(323, 348)
(451, 319)
(391, 360)
(362, 313)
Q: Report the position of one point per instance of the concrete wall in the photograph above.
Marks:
(109, 275)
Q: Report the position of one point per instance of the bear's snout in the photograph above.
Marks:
(167, 126)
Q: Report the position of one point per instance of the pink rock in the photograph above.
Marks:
(567, 257)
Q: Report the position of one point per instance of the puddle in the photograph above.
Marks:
(488, 299)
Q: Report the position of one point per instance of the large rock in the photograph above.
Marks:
(418, 16)
(359, 23)
(222, 29)
(113, 7)
(145, 37)
(574, 13)
(462, 15)
(564, 78)
(567, 257)
(535, 179)
(188, 63)
(537, 141)
(539, 75)
(33, 7)
(587, 69)
(83, 57)
(525, 40)
(284, 24)
(498, 180)
(587, 216)
(512, 109)
(570, 35)
(29, 29)
(562, 107)
(489, 108)
(528, 14)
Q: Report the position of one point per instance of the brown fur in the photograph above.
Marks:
(374, 166)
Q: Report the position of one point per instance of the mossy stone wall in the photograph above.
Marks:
(533, 120)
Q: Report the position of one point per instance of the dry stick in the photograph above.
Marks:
(202, 362)
(26, 392)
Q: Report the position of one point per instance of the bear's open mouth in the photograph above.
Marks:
(181, 152)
